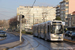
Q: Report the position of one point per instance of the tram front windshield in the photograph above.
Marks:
(57, 29)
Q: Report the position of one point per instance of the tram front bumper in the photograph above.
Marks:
(56, 39)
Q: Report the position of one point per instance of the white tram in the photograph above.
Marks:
(50, 30)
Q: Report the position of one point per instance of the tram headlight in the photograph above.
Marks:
(53, 35)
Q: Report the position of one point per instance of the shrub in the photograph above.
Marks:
(28, 32)
(23, 31)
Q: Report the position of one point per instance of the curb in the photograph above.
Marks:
(7, 48)
(69, 41)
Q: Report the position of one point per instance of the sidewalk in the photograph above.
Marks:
(68, 39)
(12, 44)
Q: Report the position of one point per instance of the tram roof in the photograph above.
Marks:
(48, 21)
(35, 24)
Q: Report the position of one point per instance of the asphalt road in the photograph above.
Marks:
(10, 38)
(34, 43)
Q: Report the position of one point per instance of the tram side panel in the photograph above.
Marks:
(41, 30)
(48, 30)
(34, 30)
(44, 31)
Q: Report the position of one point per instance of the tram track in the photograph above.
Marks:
(33, 43)
(27, 42)
(55, 44)
(27, 38)
(39, 43)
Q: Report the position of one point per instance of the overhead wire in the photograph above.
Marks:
(34, 2)
(32, 5)
(3, 14)
(6, 11)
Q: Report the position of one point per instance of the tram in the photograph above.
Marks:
(50, 30)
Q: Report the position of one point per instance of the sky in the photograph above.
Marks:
(8, 8)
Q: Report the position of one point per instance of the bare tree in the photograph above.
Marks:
(13, 22)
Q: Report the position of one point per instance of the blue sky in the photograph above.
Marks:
(8, 8)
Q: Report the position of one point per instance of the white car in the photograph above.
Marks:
(3, 34)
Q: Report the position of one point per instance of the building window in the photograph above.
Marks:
(61, 15)
(20, 12)
(66, 6)
(21, 8)
(65, 14)
(61, 11)
(66, 10)
(66, 22)
(67, 2)
(73, 22)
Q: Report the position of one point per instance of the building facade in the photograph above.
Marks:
(36, 14)
(58, 11)
(71, 20)
(66, 8)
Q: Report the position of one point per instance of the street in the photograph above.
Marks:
(34, 43)
(10, 38)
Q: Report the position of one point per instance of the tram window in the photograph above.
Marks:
(48, 29)
(37, 29)
(51, 29)
(44, 28)
(40, 29)
(33, 30)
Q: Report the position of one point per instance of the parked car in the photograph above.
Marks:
(68, 33)
(3, 34)
(72, 35)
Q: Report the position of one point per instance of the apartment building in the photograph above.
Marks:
(66, 8)
(71, 20)
(36, 14)
(58, 11)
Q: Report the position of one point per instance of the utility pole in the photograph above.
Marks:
(20, 17)
(20, 27)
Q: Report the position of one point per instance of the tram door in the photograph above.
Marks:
(44, 30)
(48, 31)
